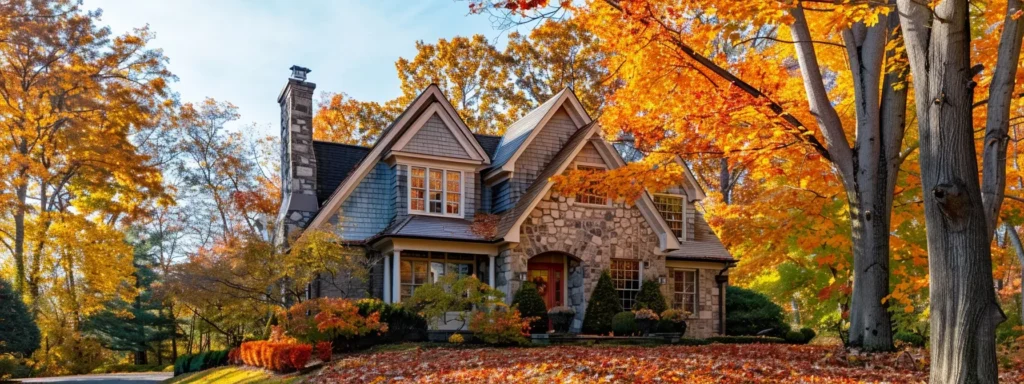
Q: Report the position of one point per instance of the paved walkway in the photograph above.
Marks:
(115, 378)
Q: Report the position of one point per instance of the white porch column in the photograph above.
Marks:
(396, 277)
(387, 280)
(490, 272)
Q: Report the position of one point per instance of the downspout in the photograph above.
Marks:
(722, 279)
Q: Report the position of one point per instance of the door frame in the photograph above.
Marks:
(559, 268)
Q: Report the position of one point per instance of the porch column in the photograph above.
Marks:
(396, 277)
(490, 272)
(387, 280)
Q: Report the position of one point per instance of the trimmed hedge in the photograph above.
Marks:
(527, 299)
(624, 324)
(745, 340)
(795, 337)
(200, 361)
(282, 357)
(749, 313)
(808, 333)
(650, 297)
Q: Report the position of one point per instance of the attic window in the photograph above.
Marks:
(671, 209)
(590, 196)
(435, 191)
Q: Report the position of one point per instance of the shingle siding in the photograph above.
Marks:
(401, 194)
(501, 197)
(551, 138)
(434, 138)
(370, 207)
(588, 154)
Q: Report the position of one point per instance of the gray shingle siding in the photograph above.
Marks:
(501, 199)
(370, 207)
(401, 193)
(551, 138)
(434, 138)
(589, 155)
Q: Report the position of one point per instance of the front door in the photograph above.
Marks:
(548, 277)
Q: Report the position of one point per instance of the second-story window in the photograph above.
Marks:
(671, 209)
(435, 191)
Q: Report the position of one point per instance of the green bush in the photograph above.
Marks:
(527, 299)
(403, 325)
(624, 324)
(749, 313)
(603, 305)
(809, 334)
(13, 368)
(196, 364)
(182, 364)
(650, 297)
(795, 337)
(19, 334)
(200, 361)
(909, 338)
(746, 340)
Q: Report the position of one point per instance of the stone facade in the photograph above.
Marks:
(298, 164)
(591, 235)
(704, 322)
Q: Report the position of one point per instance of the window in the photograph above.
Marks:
(671, 208)
(435, 191)
(626, 278)
(590, 196)
(684, 289)
(418, 268)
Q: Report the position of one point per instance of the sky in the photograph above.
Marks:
(240, 51)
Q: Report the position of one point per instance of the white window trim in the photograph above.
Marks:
(607, 200)
(426, 194)
(684, 202)
(696, 289)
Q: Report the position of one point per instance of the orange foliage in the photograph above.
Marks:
(325, 319)
(276, 356)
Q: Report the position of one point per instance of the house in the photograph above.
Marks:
(410, 201)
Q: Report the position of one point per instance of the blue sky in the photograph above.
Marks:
(240, 51)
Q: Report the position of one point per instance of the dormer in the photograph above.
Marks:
(676, 204)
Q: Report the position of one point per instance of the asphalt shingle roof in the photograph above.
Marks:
(334, 162)
(433, 227)
(488, 143)
(519, 131)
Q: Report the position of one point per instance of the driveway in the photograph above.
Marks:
(115, 378)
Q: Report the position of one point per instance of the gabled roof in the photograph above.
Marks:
(488, 143)
(432, 227)
(518, 135)
(334, 161)
(388, 136)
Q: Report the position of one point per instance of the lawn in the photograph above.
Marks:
(717, 363)
(235, 375)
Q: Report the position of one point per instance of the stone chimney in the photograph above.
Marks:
(298, 165)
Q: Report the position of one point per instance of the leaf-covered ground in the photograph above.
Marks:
(621, 364)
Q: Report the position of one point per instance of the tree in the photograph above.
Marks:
(140, 325)
(18, 332)
(603, 305)
(650, 297)
(452, 293)
(961, 214)
(529, 303)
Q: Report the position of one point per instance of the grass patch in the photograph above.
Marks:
(130, 368)
(231, 374)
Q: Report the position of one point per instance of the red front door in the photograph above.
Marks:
(548, 279)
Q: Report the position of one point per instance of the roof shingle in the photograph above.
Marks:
(334, 161)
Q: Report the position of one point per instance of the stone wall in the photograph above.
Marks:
(298, 163)
(703, 323)
(591, 235)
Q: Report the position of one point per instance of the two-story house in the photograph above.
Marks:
(410, 199)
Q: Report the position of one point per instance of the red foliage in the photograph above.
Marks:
(235, 356)
(717, 363)
(324, 350)
(276, 356)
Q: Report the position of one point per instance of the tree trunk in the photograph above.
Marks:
(964, 312)
(140, 358)
(1018, 248)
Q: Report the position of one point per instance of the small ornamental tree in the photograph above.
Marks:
(604, 304)
(650, 297)
(18, 332)
(749, 313)
(451, 294)
(527, 299)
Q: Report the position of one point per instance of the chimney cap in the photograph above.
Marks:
(299, 73)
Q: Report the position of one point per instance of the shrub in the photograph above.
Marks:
(275, 355)
(561, 318)
(500, 325)
(911, 339)
(624, 323)
(403, 324)
(181, 365)
(530, 304)
(452, 294)
(12, 367)
(604, 304)
(650, 297)
(328, 318)
(456, 338)
(672, 321)
(205, 360)
(795, 337)
(235, 356)
(746, 340)
(196, 364)
(19, 334)
(749, 313)
(324, 349)
(299, 355)
(808, 333)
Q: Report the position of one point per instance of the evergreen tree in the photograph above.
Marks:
(530, 304)
(650, 297)
(18, 332)
(604, 304)
(140, 325)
